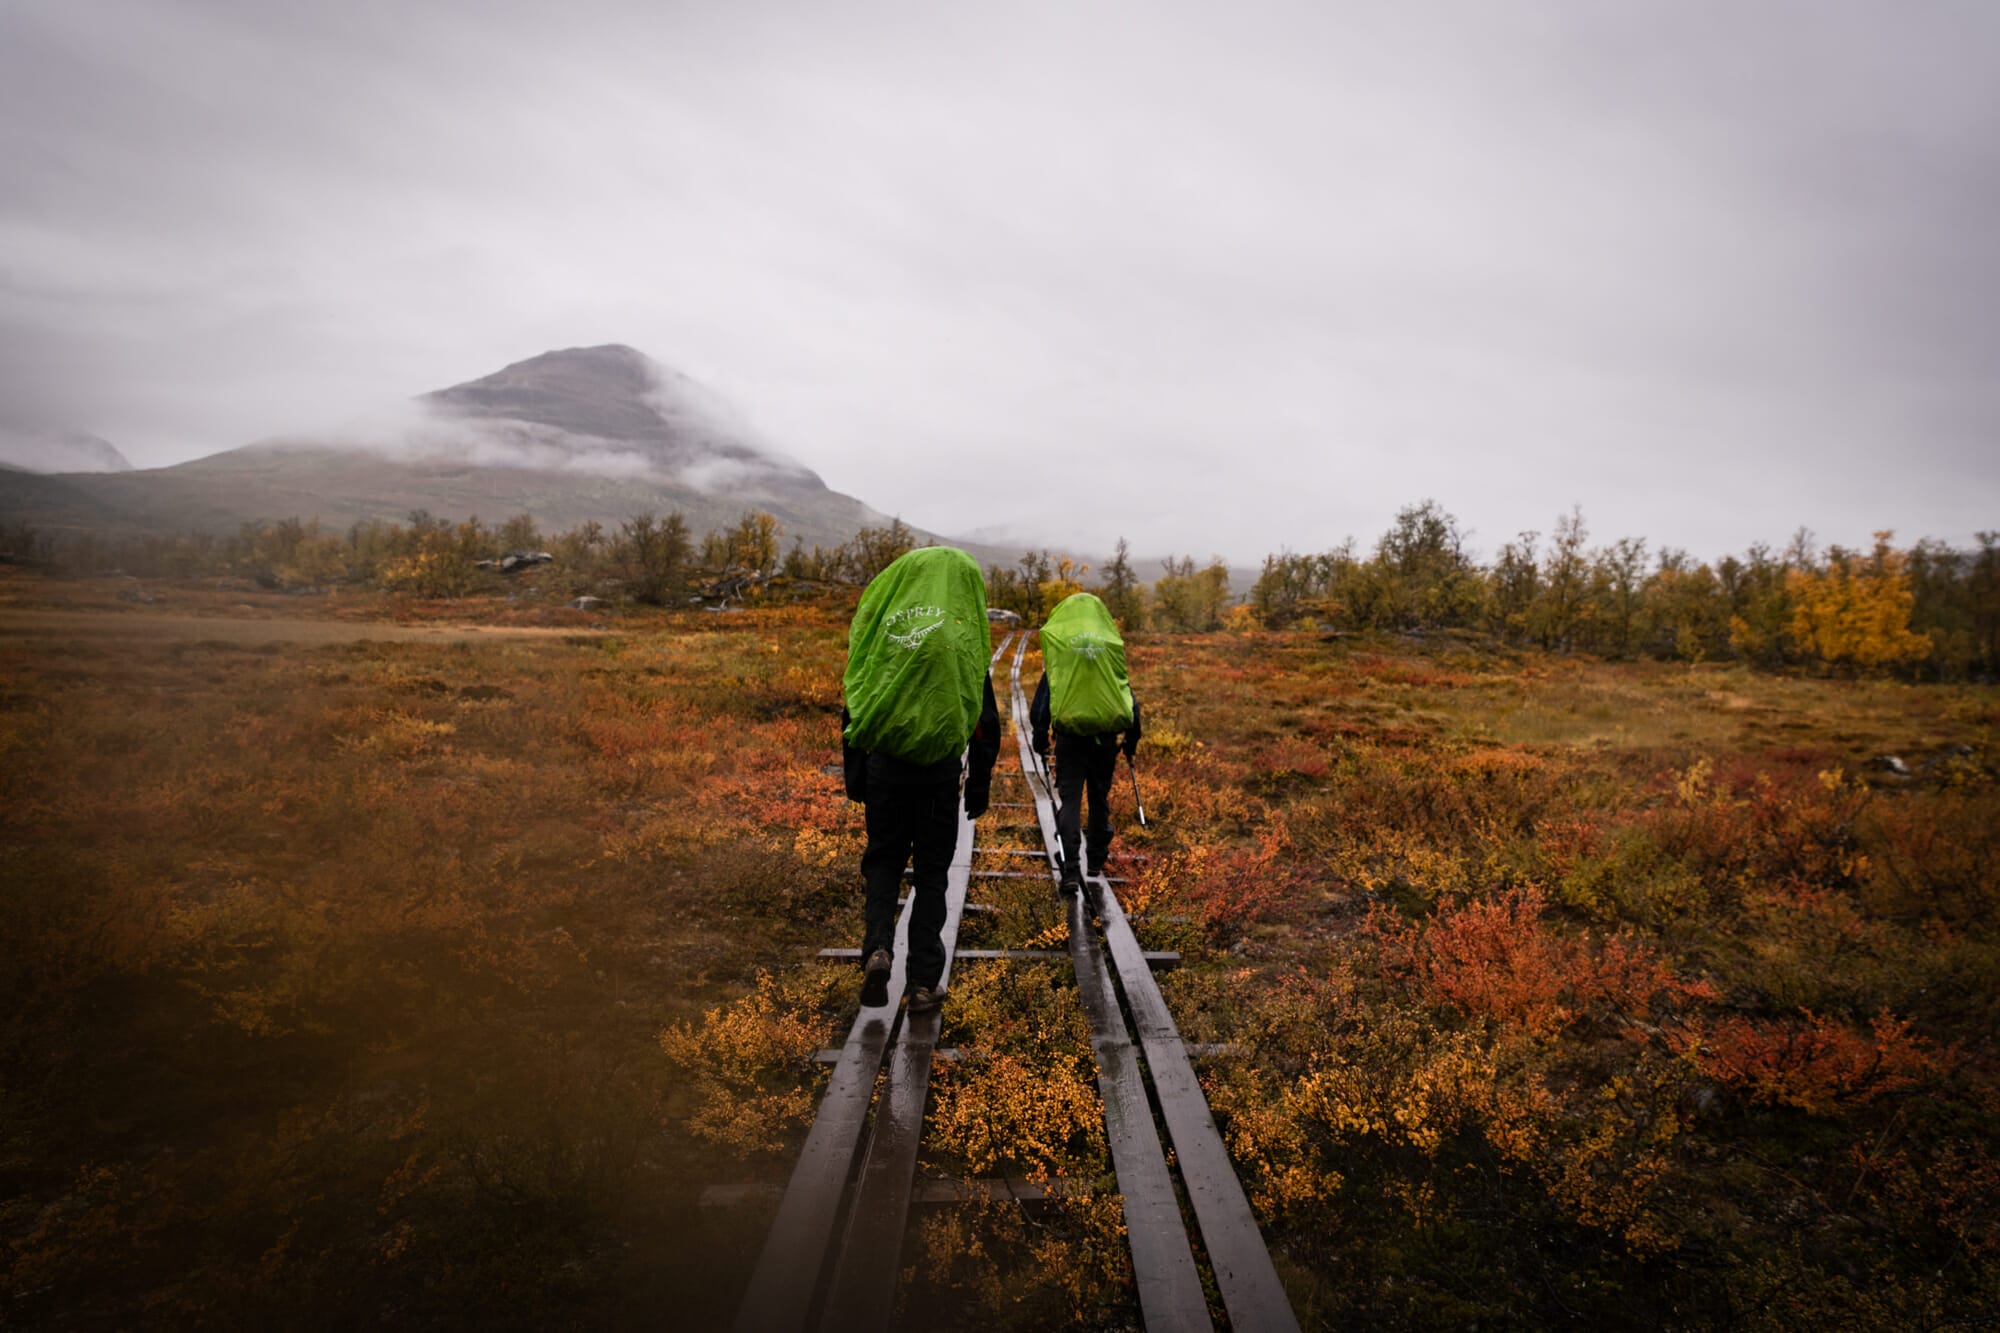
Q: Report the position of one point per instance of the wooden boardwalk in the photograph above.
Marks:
(1170, 1295)
(803, 1244)
(832, 1256)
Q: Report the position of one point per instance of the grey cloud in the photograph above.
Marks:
(416, 433)
(1217, 278)
(410, 432)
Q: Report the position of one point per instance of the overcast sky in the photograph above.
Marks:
(1220, 277)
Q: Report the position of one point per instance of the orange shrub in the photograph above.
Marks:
(1777, 828)
(1498, 958)
(1816, 1064)
(1227, 888)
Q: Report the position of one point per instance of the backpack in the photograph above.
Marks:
(917, 655)
(1084, 658)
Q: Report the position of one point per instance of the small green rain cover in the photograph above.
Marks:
(1085, 660)
(917, 656)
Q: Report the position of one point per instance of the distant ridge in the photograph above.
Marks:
(613, 393)
(571, 436)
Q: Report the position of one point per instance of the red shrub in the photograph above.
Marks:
(1818, 1065)
(1497, 958)
(1568, 842)
(1233, 885)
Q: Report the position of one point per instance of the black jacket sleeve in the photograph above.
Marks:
(981, 753)
(853, 764)
(1038, 716)
(1131, 742)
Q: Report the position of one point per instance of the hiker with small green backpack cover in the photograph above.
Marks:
(1085, 700)
(919, 715)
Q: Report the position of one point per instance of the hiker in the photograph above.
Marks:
(1085, 698)
(919, 696)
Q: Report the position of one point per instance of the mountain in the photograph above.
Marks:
(570, 436)
(59, 451)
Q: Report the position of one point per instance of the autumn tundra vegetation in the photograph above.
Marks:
(1926, 612)
(1586, 936)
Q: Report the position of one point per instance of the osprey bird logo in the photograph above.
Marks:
(1088, 646)
(909, 627)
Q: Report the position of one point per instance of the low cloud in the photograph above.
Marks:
(722, 476)
(59, 451)
(694, 411)
(417, 433)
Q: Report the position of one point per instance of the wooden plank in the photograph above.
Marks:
(1251, 1291)
(737, 1196)
(1248, 1281)
(1155, 957)
(786, 1281)
(1018, 1188)
(863, 1291)
(831, 1055)
(1014, 955)
(1170, 1294)
(998, 874)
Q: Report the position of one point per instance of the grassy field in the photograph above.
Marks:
(372, 962)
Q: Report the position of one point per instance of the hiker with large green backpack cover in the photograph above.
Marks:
(1085, 700)
(919, 700)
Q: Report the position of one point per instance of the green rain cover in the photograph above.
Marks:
(1085, 660)
(917, 655)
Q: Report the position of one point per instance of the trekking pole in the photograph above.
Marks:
(1133, 765)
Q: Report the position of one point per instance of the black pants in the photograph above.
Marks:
(1085, 763)
(913, 820)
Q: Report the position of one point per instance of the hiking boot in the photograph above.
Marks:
(925, 998)
(1070, 881)
(875, 978)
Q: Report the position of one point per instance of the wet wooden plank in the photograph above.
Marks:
(862, 1294)
(787, 1277)
(1163, 1268)
(1165, 958)
(1170, 1295)
(1018, 1188)
(927, 1192)
(1251, 1291)
(831, 1055)
(796, 1252)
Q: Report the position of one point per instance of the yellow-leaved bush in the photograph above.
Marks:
(746, 1070)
